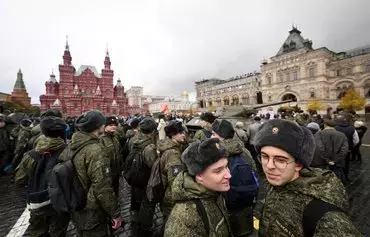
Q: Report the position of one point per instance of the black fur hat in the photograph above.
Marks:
(135, 123)
(173, 127)
(147, 125)
(53, 127)
(90, 121)
(296, 140)
(208, 117)
(52, 112)
(111, 120)
(198, 156)
(223, 128)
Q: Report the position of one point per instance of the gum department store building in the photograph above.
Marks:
(297, 72)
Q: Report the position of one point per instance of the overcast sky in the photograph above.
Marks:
(166, 45)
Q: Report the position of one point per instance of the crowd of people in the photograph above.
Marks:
(205, 185)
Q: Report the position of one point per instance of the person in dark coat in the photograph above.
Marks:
(4, 145)
(343, 125)
(331, 149)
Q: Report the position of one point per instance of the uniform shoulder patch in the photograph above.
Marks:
(176, 169)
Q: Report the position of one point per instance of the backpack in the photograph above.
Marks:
(156, 187)
(65, 189)
(135, 171)
(313, 212)
(31, 143)
(38, 183)
(243, 184)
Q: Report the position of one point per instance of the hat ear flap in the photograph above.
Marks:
(308, 147)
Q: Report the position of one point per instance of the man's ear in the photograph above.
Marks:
(299, 166)
(199, 178)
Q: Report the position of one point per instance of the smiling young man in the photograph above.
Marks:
(200, 209)
(301, 201)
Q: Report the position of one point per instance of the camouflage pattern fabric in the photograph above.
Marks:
(112, 146)
(283, 209)
(93, 170)
(23, 137)
(171, 166)
(27, 164)
(45, 219)
(184, 219)
(235, 147)
(199, 135)
(140, 142)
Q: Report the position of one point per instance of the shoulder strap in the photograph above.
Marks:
(312, 214)
(202, 213)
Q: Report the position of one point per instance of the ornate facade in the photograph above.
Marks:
(83, 90)
(299, 72)
(240, 90)
(19, 93)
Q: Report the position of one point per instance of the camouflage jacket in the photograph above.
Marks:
(235, 147)
(93, 170)
(36, 136)
(184, 219)
(25, 168)
(111, 144)
(283, 209)
(171, 166)
(199, 135)
(146, 143)
(4, 139)
(24, 136)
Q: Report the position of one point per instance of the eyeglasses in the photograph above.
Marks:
(279, 162)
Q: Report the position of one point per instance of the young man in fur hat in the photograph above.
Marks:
(44, 219)
(171, 149)
(206, 177)
(110, 142)
(224, 131)
(286, 151)
(93, 170)
(206, 122)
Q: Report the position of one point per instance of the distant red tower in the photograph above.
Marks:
(83, 90)
(19, 93)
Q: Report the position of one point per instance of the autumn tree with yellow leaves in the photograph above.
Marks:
(314, 106)
(352, 100)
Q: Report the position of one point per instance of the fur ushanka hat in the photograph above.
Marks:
(296, 140)
(90, 121)
(198, 156)
(208, 117)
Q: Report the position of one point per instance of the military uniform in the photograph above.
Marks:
(4, 148)
(35, 137)
(172, 166)
(139, 201)
(93, 170)
(24, 136)
(44, 220)
(184, 219)
(200, 134)
(241, 220)
(283, 210)
(112, 146)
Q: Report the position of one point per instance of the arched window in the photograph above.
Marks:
(245, 99)
(226, 100)
(235, 100)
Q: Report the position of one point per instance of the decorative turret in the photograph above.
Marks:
(19, 94)
(98, 91)
(52, 86)
(107, 62)
(294, 42)
(119, 89)
(76, 91)
(67, 58)
(19, 84)
(52, 78)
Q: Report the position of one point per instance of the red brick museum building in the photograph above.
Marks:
(84, 89)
